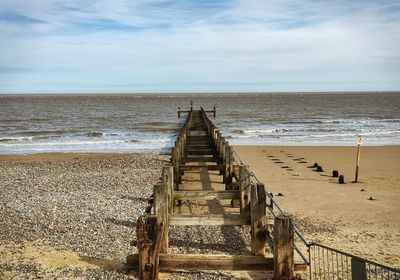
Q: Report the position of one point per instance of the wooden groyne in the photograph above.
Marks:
(201, 148)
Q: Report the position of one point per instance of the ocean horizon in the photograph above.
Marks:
(38, 123)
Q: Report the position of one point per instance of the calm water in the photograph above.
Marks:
(115, 123)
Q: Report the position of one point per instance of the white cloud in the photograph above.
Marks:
(243, 42)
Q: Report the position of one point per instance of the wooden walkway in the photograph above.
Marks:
(203, 167)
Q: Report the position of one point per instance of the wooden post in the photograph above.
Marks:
(258, 220)
(161, 211)
(283, 248)
(359, 143)
(170, 187)
(179, 112)
(245, 190)
(148, 235)
(215, 112)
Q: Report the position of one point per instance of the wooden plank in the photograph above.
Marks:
(169, 263)
(206, 195)
(208, 220)
(283, 248)
(200, 142)
(202, 153)
(200, 145)
(202, 167)
(199, 137)
(201, 159)
(258, 220)
(198, 262)
(196, 149)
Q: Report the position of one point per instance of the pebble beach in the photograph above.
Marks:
(73, 216)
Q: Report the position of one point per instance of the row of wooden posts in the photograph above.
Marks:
(152, 228)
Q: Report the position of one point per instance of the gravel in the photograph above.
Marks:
(90, 206)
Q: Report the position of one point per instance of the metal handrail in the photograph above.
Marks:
(281, 210)
(396, 270)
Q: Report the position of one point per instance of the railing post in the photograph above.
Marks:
(283, 248)
(258, 220)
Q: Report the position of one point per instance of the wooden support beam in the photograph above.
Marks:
(206, 195)
(201, 159)
(245, 189)
(160, 192)
(202, 153)
(199, 149)
(148, 233)
(170, 187)
(283, 248)
(200, 145)
(169, 262)
(200, 167)
(208, 220)
(258, 219)
(214, 262)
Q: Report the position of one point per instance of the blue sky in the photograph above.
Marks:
(198, 46)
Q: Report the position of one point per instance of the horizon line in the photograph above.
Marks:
(205, 92)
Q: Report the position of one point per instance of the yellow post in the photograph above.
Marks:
(359, 143)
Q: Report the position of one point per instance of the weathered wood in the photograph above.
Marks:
(201, 167)
(258, 219)
(283, 248)
(245, 189)
(148, 239)
(160, 192)
(208, 220)
(201, 159)
(202, 152)
(206, 195)
(214, 262)
(169, 262)
(170, 187)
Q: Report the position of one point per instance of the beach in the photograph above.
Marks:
(337, 215)
(70, 215)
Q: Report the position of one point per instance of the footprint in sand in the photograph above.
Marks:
(285, 166)
(270, 156)
(289, 169)
(303, 161)
(275, 159)
(278, 162)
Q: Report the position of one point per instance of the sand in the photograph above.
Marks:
(337, 215)
(340, 216)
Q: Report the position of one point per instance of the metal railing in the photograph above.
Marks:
(272, 207)
(330, 263)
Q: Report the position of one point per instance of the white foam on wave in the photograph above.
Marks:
(10, 138)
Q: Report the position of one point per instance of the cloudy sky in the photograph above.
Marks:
(198, 46)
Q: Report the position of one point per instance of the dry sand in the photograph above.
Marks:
(341, 216)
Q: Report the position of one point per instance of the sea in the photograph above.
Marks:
(149, 123)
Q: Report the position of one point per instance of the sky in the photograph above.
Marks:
(105, 46)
